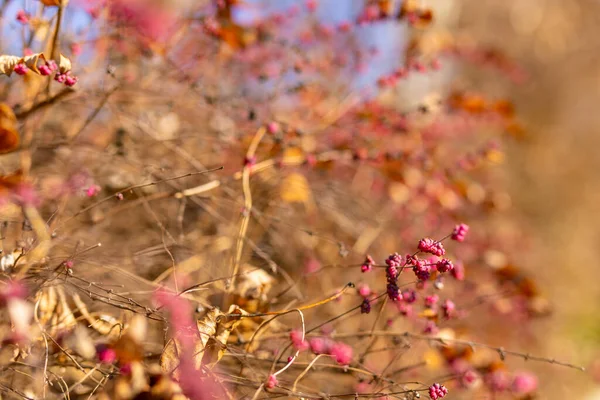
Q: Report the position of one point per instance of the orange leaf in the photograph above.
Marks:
(9, 137)
(295, 189)
(54, 3)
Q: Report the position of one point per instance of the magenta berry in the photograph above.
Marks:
(460, 232)
(92, 191)
(444, 265)
(394, 262)
(431, 301)
(297, 342)
(23, 17)
(105, 354)
(497, 381)
(272, 127)
(437, 391)
(431, 328)
(60, 78)
(319, 345)
(45, 70)
(524, 383)
(469, 378)
(341, 352)
(71, 81)
(365, 307)
(21, 69)
(367, 265)
(271, 382)
(458, 272)
(364, 290)
(449, 308)
(409, 296)
(52, 65)
(428, 245)
(393, 292)
(422, 270)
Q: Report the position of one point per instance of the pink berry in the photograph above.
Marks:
(431, 301)
(311, 5)
(524, 383)
(444, 265)
(449, 308)
(71, 81)
(271, 382)
(92, 191)
(367, 265)
(23, 17)
(105, 354)
(297, 342)
(60, 78)
(319, 345)
(45, 70)
(272, 127)
(52, 65)
(342, 353)
(430, 328)
(460, 232)
(21, 69)
(497, 381)
(364, 290)
(428, 245)
(437, 391)
(458, 272)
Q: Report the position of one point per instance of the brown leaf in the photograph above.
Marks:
(64, 64)
(129, 347)
(32, 61)
(216, 345)
(210, 343)
(9, 137)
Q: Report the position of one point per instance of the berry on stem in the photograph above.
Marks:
(437, 391)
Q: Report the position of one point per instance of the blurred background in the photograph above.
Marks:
(554, 173)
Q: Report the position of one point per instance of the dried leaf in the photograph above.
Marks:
(216, 345)
(254, 282)
(66, 318)
(64, 64)
(207, 327)
(8, 63)
(210, 340)
(129, 347)
(32, 61)
(106, 325)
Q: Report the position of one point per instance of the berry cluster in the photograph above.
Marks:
(431, 246)
(48, 69)
(437, 391)
(460, 232)
(393, 262)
